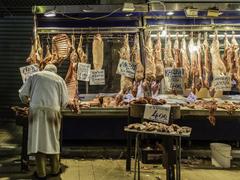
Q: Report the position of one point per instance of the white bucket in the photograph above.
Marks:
(221, 155)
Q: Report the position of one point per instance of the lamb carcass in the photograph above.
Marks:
(185, 61)
(139, 75)
(39, 51)
(32, 56)
(207, 64)
(150, 67)
(126, 82)
(199, 81)
(61, 47)
(97, 52)
(71, 81)
(228, 55)
(176, 53)
(47, 59)
(81, 54)
(168, 56)
(158, 58)
(235, 59)
(218, 67)
(73, 55)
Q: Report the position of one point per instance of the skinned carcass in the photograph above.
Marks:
(81, 54)
(158, 58)
(97, 52)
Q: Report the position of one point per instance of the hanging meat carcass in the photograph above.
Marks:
(228, 55)
(235, 59)
(193, 59)
(207, 63)
(73, 55)
(39, 51)
(176, 53)
(218, 67)
(185, 61)
(199, 74)
(61, 47)
(139, 75)
(81, 54)
(150, 67)
(71, 81)
(32, 56)
(168, 56)
(97, 52)
(126, 82)
(158, 58)
(47, 59)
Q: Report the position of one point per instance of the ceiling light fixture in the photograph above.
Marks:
(128, 7)
(191, 12)
(170, 13)
(51, 13)
(213, 12)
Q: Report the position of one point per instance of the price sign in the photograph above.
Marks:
(174, 79)
(97, 77)
(158, 113)
(26, 71)
(223, 83)
(126, 69)
(83, 71)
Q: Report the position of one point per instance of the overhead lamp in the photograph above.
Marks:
(51, 13)
(213, 12)
(191, 12)
(128, 7)
(170, 13)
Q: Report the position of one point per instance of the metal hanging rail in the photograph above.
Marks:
(90, 30)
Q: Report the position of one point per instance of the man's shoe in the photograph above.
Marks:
(56, 174)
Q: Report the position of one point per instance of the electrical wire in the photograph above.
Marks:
(90, 18)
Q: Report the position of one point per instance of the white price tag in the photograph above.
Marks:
(222, 83)
(26, 71)
(126, 69)
(97, 77)
(158, 113)
(174, 79)
(83, 71)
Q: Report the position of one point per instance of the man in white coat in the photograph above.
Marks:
(47, 94)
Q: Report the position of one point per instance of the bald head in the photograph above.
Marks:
(51, 68)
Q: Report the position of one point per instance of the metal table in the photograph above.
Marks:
(170, 174)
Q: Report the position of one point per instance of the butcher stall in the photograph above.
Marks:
(155, 54)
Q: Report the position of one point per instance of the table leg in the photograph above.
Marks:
(136, 156)
(178, 175)
(139, 158)
(128, 160)
(168, 145)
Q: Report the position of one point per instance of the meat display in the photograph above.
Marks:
(61, 47)
(218, 67)
(139, 75)
(97, 52)
(168, 56)
(124, 53)
(158, 58)
(176, 53)
(185, 61)
(207, 64)
(73, 55)
(150, 67)
(81, 54)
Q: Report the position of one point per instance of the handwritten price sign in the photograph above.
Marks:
(26, 71)
(83, 72)
(174, 79)
(126, 69)
(97, 77)
(222, 83)
(158, 113)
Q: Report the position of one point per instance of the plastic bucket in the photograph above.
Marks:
(221, 155)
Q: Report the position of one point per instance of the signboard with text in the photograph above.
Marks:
(97, 77)
(126, 68)
(174, 79)
(83, 71)
(223, 83)
(26, 71)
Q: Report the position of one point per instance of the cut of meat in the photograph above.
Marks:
(139, 75)
(73, 55)
(199, 81)
(228, 55)
(39, 51)
(158, 58)
(218, 67)
(61, 47)
(150, 67)
(80, 51)
(168, 56)
(71, 81)
(97, 51)
(185, 61)
(32, 57)
(207, 64)
(176, 53)
(126, 82)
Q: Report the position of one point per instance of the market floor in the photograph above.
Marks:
(107, 169)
